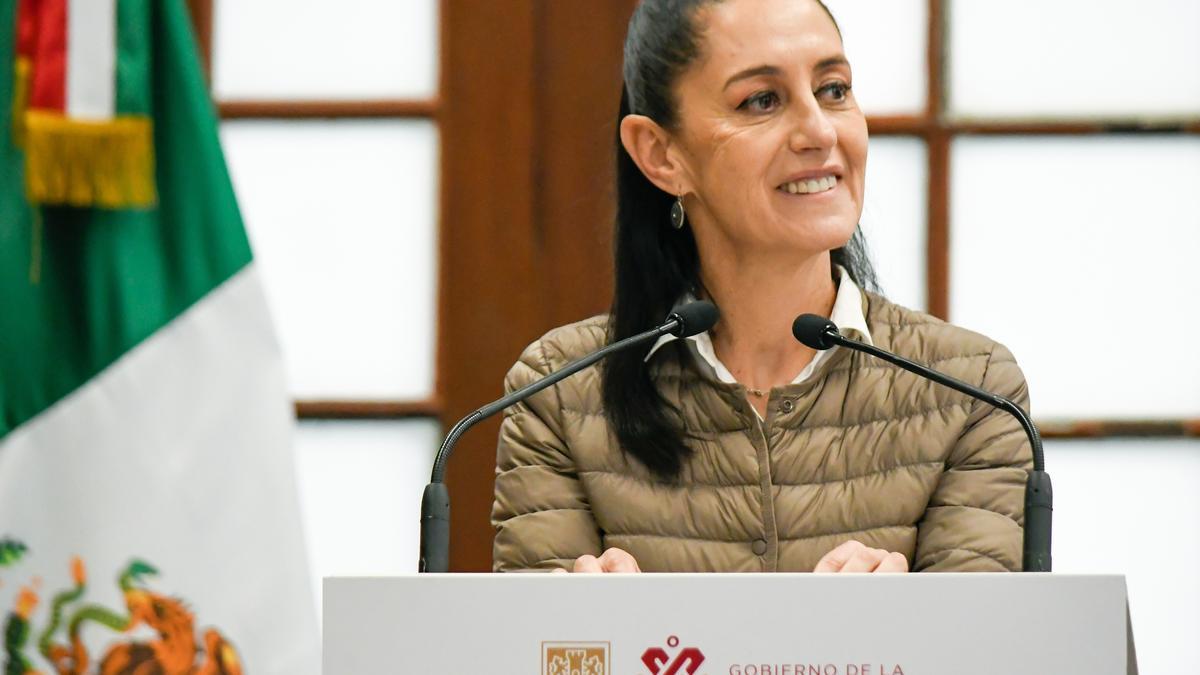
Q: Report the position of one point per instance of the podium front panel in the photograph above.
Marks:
(725, 624)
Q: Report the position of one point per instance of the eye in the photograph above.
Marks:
(763, 101)
(835, 92)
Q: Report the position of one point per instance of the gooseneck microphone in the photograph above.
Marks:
(684, 321)
(821, 334)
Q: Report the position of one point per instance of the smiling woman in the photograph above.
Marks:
(741, 163)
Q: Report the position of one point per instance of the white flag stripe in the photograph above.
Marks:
(91, 59)
(178, 454)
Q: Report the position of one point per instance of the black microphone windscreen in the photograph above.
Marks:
(694, 318)
(811, 330)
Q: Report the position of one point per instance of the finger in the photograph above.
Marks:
(865, 560)
(894, 563)
(588, 564)
(617, 560)
(837, 558)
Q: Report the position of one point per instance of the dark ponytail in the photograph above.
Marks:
(655, 263)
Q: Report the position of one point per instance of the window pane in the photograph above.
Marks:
(1131, 507)
(1076, 253)
(885, 41)
(1066, 58)
(894, 216)
(342, 216)
(321, 49)
(360, 494)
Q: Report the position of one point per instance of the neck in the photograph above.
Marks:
(758, 303)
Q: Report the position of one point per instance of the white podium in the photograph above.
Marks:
(725, 624)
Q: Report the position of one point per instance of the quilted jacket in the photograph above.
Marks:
(861, 450)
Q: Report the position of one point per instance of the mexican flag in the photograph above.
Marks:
(149, 521)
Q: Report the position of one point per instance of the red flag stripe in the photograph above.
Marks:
(27, 22)
(48, 90)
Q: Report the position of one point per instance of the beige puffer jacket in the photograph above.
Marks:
(862, 450)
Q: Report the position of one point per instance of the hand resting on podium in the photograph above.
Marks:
(613, 560)
(852, 556)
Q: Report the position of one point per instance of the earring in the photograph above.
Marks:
(677, 214)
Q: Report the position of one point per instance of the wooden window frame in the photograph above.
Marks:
(934, 127)
(497, 91)
(939, 131)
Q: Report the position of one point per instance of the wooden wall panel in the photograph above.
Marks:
(577, 93)
(488, 283)
(937, 246)
(529, 97)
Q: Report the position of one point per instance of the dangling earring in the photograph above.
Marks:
(677, 214)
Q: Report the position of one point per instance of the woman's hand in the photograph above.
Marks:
(612, 560)
(854, 556)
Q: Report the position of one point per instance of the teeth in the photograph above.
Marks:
(803, 187)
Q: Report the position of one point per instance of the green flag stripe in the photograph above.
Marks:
(133, 57)
(109, 279)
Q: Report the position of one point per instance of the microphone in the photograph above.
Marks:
(821, 334)
(683, 321)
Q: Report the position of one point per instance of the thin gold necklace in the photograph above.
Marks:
(756, 392)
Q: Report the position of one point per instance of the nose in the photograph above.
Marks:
(811, 127)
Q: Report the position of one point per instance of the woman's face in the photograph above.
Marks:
(770, 140)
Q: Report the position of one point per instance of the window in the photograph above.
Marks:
(330, 131)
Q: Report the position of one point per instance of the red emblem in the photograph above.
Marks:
(686, 662)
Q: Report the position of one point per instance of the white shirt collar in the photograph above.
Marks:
(847, 314)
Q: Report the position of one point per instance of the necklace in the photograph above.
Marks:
(756, 392)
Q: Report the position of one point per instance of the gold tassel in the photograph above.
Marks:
(107, 164)
(20, 100)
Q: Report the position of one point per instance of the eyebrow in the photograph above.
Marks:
(823, 64)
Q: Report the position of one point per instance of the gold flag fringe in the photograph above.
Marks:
(71, 162)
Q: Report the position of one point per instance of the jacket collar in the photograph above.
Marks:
(849, 313)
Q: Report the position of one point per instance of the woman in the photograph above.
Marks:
(741, 160)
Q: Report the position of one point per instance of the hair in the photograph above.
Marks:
(655, 264)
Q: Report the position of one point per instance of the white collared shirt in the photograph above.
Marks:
(847, 314)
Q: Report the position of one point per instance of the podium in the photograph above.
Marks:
(718, 624)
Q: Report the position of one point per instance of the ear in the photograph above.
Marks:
(652, 149)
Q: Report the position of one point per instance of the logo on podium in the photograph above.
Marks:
(686, 662)
(575, 658)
